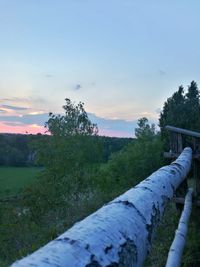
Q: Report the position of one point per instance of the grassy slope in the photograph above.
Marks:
(12, 179)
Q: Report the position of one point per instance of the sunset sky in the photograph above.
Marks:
(122, 58)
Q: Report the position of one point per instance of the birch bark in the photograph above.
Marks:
(176, 249)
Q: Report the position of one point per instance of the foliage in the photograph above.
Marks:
(15, 150)
(70, 145)
(164, 235)
(20, 150)
(18, 233)
(74, 122)
(111, 145)
(70, 157)
(144, 130)
(191, 256)
(135, 161)
(181, 110)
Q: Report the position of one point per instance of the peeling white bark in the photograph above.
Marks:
(120, 233)
(176, 249)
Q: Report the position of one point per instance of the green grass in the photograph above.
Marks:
(13, 179)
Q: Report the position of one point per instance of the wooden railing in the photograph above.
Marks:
(179, 138)
(176, 249)
(121, 232)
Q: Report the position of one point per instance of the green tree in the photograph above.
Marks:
(70, 156)
(72, 141)
(173, 110)
(134, 162)
(74, 122)
(181, 110)
(192, 108)
(144, 130)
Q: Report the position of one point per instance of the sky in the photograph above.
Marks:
(122, 58)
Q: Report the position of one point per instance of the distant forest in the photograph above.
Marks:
(19, 150)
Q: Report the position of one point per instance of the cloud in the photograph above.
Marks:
(14, 99)
(114, 127)
(13, 123)
(23, 100)
(108, 127)
(162, 72)
(37, 119)
(78, 86)
(48, 75)
(20, 128)
(13, 107)
(20, 106)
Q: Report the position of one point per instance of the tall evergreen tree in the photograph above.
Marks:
(192, 107)
(181, 110)
(173, 111)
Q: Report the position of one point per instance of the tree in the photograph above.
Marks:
(71, 143)
(192, 107)
(144, 130)
(173, 111)
(69, 156)
(135, 161)
(181, 110)
(74, 122)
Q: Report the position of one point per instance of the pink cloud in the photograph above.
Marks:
(114, 133)
(34, 129)
(21, 129)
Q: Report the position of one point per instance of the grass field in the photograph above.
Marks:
(12, 179)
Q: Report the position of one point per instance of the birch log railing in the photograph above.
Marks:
(121, 232)
(176, 249)
(180, 138)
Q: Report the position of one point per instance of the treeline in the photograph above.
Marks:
(182, 110)
(19, 149)
(15, 150)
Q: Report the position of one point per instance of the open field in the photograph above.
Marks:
(13, 179)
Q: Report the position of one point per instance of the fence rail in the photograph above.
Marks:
(120, 233)
(176, 249)
(182, 131)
